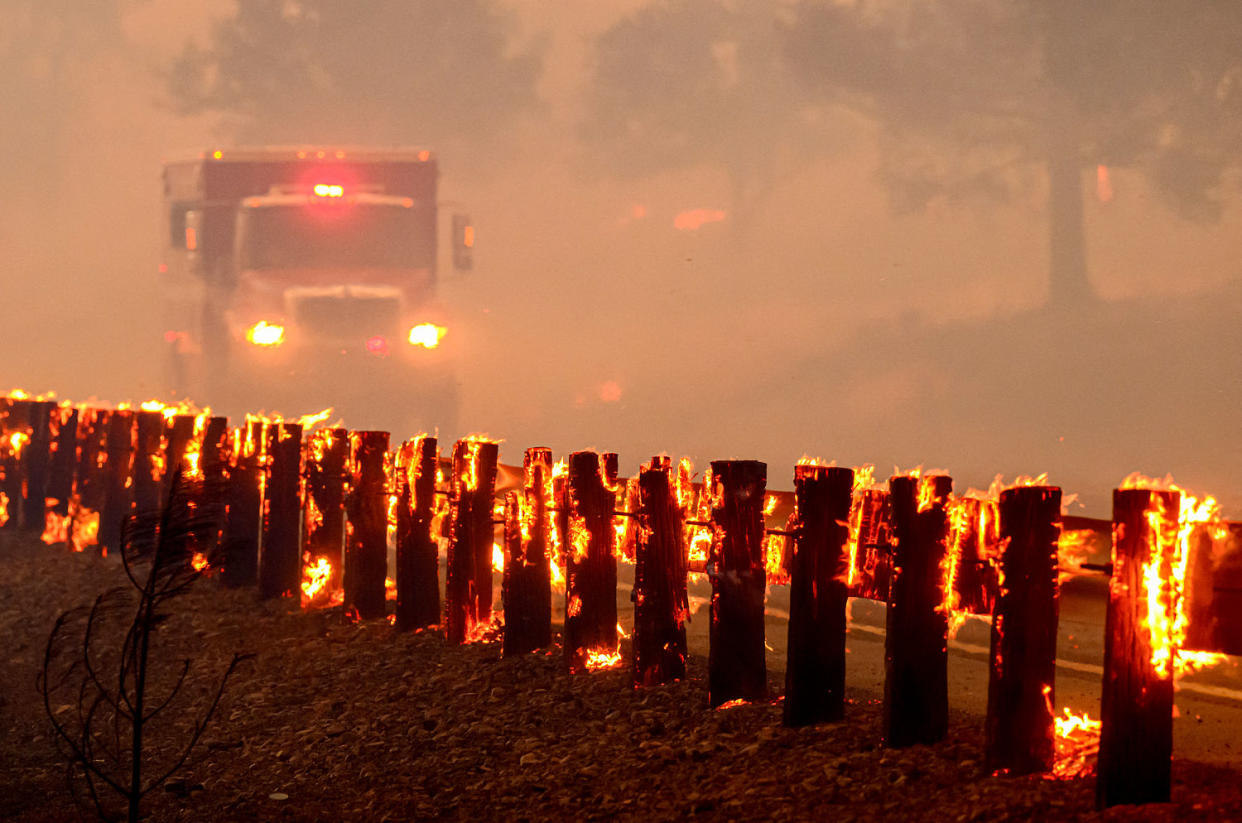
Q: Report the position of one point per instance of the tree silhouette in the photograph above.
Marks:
(698, 82)
(978, 97)
(358, 71)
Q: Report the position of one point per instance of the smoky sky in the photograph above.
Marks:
(719, 229)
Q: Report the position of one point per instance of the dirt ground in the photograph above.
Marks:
(333, 720)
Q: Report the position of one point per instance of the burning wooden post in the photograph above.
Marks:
(590, 565)
(976, 580)
(818, 591)
(244, 495)
(736, 666)
(60, 474)
(1136, 706)
(90, 485)
(366, 545)
(178, 434)
(37, 457)
(468, 579)
(418, 562)
(280, 567)
(323, 532)
(871, 531)
(526, 588)
(214, 450)
(16, 433)
(916, 686)
(117, 485)
(1020, 733)
(148, 473)
(661, 603)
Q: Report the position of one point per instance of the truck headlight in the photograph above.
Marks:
(266, 334)
(427, 335)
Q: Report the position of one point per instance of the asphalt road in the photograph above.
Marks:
(1208, 705)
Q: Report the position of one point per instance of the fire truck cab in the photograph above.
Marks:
(296, 278)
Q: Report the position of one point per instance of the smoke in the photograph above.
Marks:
(704, 256)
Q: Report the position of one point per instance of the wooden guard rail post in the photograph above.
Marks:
(526, 588)
(148, 476)
(590, 561)
(16, 428)
(1136, 705)
(37, 457)
(1020, 733)
(736, 667)
(366, 545)
(89, 485)
(60, 470)
(418, 567)
(470, 538)
(280, 567)
(323, 532)
(661, 602)
(117, 487)
(244, 495)
(815, 671)
(916, 685)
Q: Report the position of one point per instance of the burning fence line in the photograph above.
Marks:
(931, 556)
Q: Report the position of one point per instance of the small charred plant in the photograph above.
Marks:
(115, 701)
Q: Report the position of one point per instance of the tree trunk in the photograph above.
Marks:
(418, 566)
(1136, 706)
(366, 548)
(736, 664)
(661, 603)
(280, 567)
(916, 681)
(1020, 734)
(815, 671)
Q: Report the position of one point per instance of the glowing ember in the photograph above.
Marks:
(4, 508)
(315, 578)
(390, 589)
(1077, 742)
(198, 562)
(732, 704)
(56, 526)
(85, 531)
(598, 659)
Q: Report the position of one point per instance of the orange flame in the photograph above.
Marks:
(1077, 741)
(598, 659)
(198, 562)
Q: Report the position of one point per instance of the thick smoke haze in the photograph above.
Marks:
(720, 229)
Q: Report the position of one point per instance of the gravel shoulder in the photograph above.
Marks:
(334, 720)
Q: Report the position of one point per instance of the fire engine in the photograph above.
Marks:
(300, 277)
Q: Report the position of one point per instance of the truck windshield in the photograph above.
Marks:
(334, 235)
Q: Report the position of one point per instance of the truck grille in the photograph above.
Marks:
(347, 316)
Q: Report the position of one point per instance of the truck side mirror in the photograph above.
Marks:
(463, 242)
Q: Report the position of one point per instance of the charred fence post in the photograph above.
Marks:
(117, 486)
(280, 569)
(323, 529)
(214, 451)
(818, 591)
(590, 564)
(16, 434)
(1020, 733)
(1136, 706)
(468, 579)
(916, 686)
(178, 433)
(661, 602)
(526, 589)
(737, 669)
(37, 457)
(90, 483)
(60, 474)
(148, 474)
(366, 545)
(244, 496)
(418, 562)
